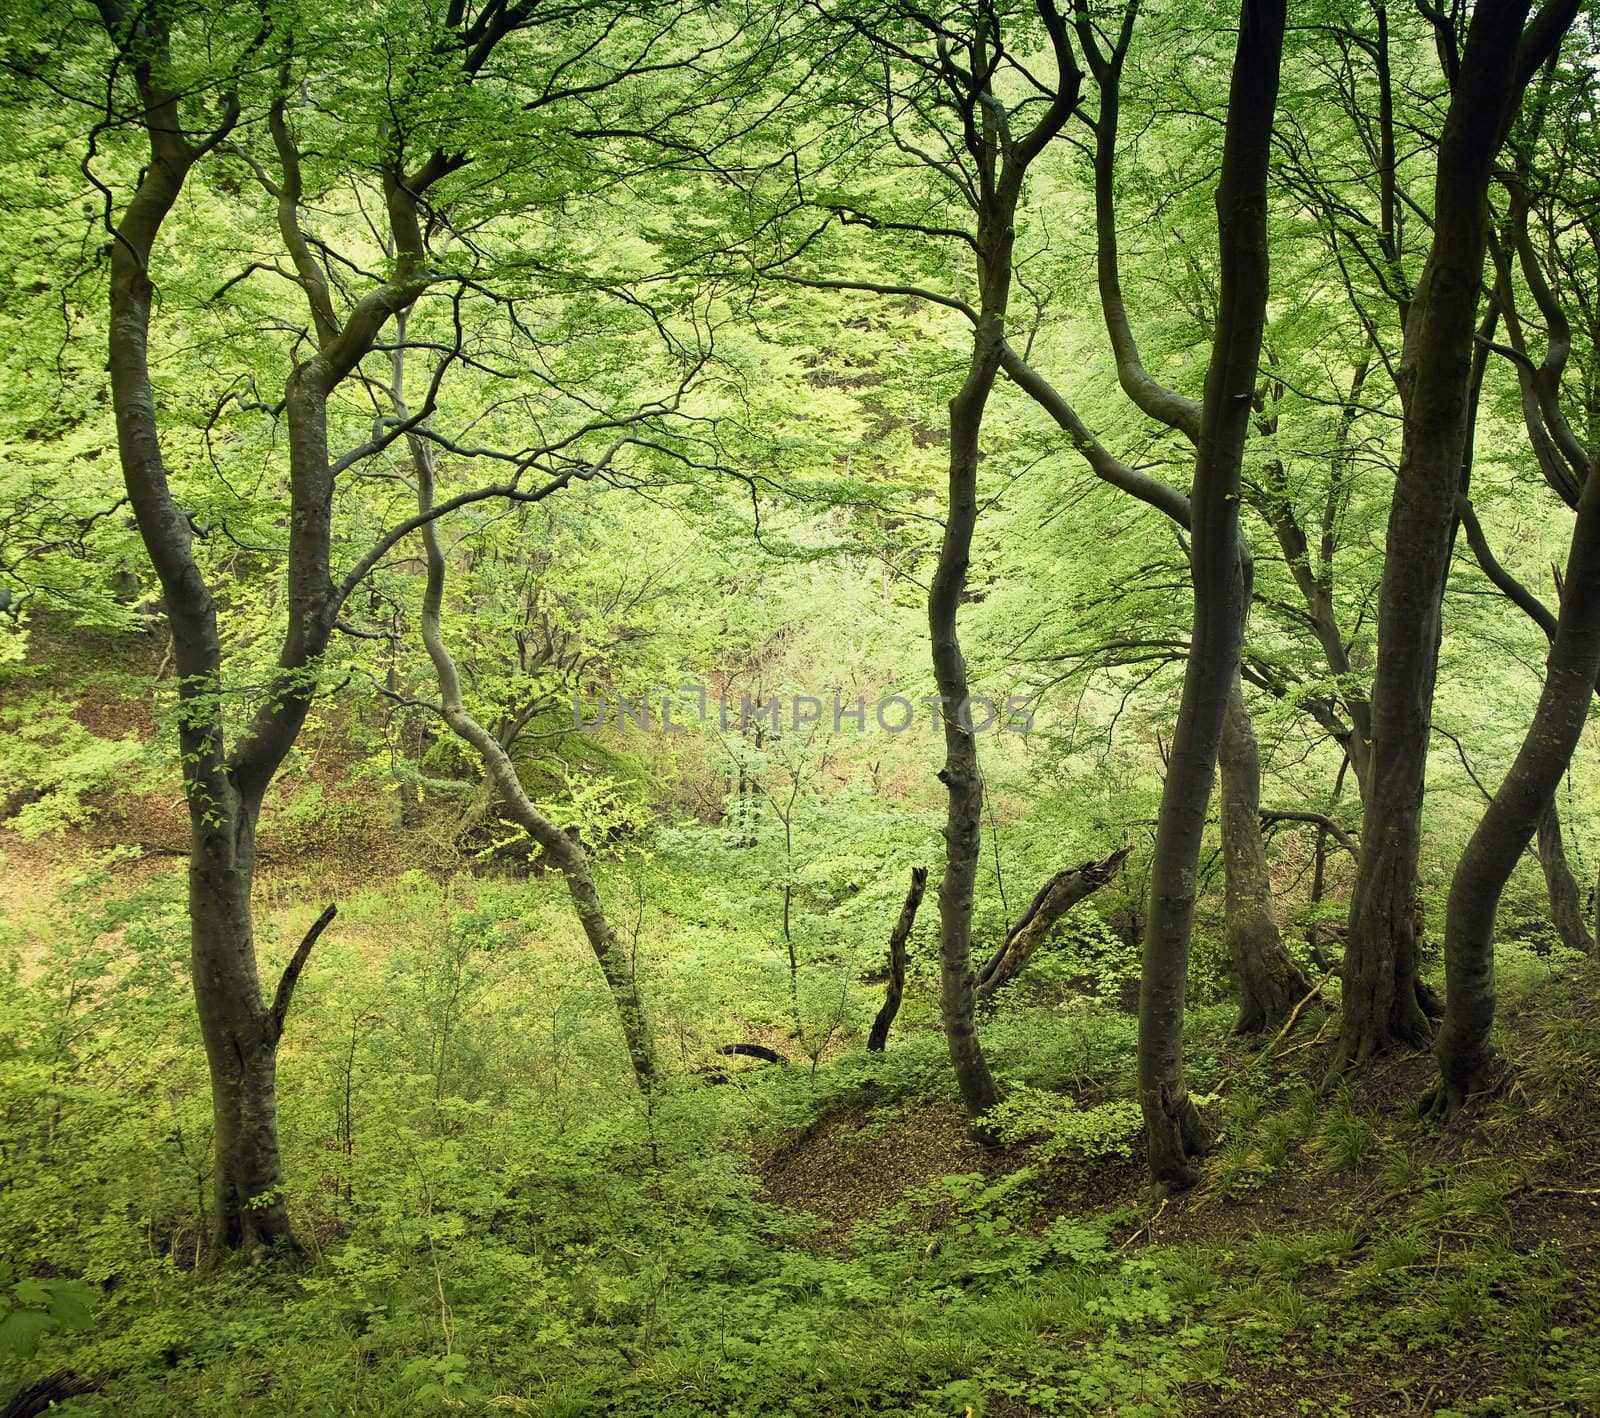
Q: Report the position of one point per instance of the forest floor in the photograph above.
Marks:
(497, 1225)
(1340, 1257)
(1349, 1218)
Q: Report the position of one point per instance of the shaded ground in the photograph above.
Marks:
(848, 1167)
(1403, 1269)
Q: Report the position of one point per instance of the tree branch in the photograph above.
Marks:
(291, 971)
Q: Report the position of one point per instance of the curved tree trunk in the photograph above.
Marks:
(238, 1029)
(1566, 910)
(225, 789)
(1382, 1007)
(1467, 1064)
(1252, 930)
(1270, 982)
(1174, 1134)
(879, 1037)
(562, 848)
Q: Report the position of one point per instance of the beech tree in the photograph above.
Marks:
(1270, 982)
(1175, 1134)
(564, 849)
(946, 93)
(1549, 255)
(417, 143)
(1502, 52)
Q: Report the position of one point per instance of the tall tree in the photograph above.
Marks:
(241, 1029)
(1380, 1004)
(998, 160)
(1269, 980)
(1174, 1133)
(418, 142)
(962, 98)
(1555, 260)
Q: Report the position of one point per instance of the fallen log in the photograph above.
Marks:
(753, 1051)
(711, 1073)
(45, 1393)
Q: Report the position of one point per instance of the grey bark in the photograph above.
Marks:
(225, 788)
(1249, 891)
(223, 796)
(1381, 1005)
(1000, 161)
(1270, 982)
(1467, 1063)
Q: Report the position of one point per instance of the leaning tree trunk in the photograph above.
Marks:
(1566, 912)
(1175, 1136)
(879, 1037)
(1467, 1064)
(1270, 982)
(563, 849)
(1382, 1007)
(1050, 903)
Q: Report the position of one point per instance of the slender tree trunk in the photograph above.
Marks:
(879, 1037)
(994, 139)
(225, 790)
(562, 848)
(1467, 1064)
(964, 813)
(1175, 1136)
(1382, 1007)
(1270, 982)
(1566, 910)
(1251, 928)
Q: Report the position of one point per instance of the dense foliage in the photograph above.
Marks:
(554, 512)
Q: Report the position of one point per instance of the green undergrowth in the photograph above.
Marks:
(495, 1221)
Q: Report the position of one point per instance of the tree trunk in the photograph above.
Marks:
(1175, 1136)
(1467, 1064)
(562, 848)
(1050, 903)
(1381, 1003)
(964, 813)
(1566, 910)
(241, 1042)
(901, 933)
(1270, 982)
